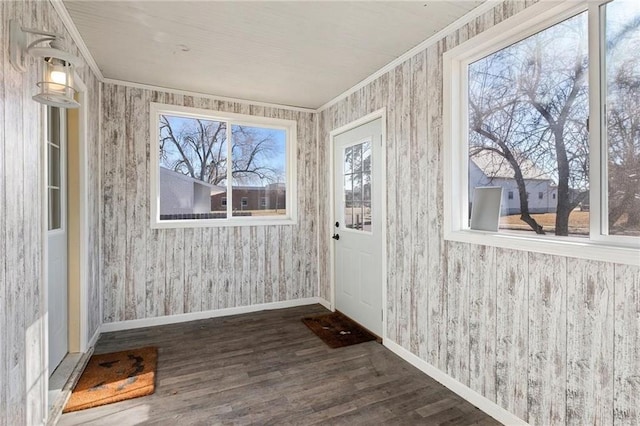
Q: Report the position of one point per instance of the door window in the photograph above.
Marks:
(54, 179)
(357, 186)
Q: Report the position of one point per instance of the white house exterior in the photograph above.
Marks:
(180, 194)
(490, 169)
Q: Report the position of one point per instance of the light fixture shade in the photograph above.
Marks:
(56, 88)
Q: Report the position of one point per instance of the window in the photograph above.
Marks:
(263, 202)
(620, 98)
(212, 168)
(56, 119)
(533, 114)
(357, 186)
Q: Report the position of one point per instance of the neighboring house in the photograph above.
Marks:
(181, 194)
(488, 168)
(270, 197)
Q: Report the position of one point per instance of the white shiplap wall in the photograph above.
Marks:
(552, 339)
(148, 272)
(22, 307)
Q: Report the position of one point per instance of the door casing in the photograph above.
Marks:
(78, 288)
(82, 310)
(382, 115)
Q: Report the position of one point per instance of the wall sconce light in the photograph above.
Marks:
(56, 87)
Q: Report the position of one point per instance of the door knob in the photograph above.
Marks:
(336, 237)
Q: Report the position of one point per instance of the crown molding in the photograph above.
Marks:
(63, 13)
(205, 95)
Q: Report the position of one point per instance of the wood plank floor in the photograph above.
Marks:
(267, 368)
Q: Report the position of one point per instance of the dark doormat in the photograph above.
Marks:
(115, 377)
(336, 330)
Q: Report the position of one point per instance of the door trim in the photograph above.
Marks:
(382, 115)
(83, 213)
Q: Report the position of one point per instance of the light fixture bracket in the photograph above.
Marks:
(17, 46)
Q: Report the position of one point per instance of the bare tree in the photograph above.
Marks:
(529, 104)
(556, 87)
(198, 148)
(623, 137)
(496, 129)
(623, 119)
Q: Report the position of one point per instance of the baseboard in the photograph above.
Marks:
(486, 405)
(94, 339)
(173, 319)
(324, 302)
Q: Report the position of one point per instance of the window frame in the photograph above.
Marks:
(290, 128)
(532, 20)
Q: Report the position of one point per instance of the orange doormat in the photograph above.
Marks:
(115, 377)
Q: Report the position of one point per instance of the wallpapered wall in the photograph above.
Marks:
(154, 272)
(551, 339)
(22, 307)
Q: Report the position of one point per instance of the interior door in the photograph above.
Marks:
(358, 227)
(57, 236)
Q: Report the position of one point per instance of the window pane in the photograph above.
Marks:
(357, 199)
(54, 166)
(623, 116)
(348, 160)
(348, 198)
(55, 209)
(193, 168)
(53, 130)
(357, 158)
(528, 110)
(366, 156)
(259, 171)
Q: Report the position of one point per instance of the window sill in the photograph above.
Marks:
(560, 246)
(221, 223)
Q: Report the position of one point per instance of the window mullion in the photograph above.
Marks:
(597, 135)
(229, 171)
(464, 138)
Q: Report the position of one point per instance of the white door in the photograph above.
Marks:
(358, 226)
(57, 235)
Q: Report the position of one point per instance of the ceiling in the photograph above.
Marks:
(297, 53)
